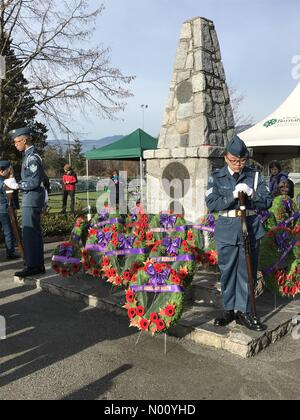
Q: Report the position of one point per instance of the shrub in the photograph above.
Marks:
(57, 224)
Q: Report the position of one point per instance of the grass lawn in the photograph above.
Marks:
(55, 201)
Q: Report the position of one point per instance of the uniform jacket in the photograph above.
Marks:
(32, 176)
(72, 179)
(219, 197)
(3, 198)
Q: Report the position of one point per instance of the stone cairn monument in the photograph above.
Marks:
(197, 124)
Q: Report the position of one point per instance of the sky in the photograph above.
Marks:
(259, 39)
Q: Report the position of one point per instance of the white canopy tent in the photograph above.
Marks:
(278, 135)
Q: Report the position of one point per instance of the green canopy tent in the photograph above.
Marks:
(130, 147)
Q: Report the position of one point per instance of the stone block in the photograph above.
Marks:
(216, 44)
(185, 111)
(203, 61)
(172, 119)
(205, 38)
(183, 75)
(199, 82)
(162, 153)
(202, 103)
(172, 138)
(184, 140)
(226, 93)
(221, 71)
(217, 96)
(153, 167)
(166, 118)
(220, 117)
(162, 138)
(179, 153)
(197, 31)
(181, 55)
(229, 116)
(183, 126)
(212, 124)
(149, 154)
(198, 130)
(192, 152)
(186, 31)
(170, 100)
(216, 139)
(199, 103)
(190, 61)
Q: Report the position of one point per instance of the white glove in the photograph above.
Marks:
(242, 187)
(11, 183)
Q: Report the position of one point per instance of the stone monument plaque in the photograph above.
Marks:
(184, 92)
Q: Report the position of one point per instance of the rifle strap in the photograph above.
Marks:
(256, 181)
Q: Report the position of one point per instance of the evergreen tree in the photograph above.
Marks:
(77, 158)
(54, 161)
(16, 105)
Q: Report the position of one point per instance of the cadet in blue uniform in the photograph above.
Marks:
(222, 197)
(33, 200)
(4, 216)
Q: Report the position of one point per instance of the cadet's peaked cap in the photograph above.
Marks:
(4, 164)
(25, 131)
(237, 147)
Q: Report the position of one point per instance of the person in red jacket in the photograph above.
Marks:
(69, 181)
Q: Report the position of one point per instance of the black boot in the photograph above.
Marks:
(13, 256)
(30, 271)
(249, 321)
(226, 319)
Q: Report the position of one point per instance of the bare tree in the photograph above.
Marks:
(52, 43)
(236, 99)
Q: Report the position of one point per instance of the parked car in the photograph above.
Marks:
(55, 186)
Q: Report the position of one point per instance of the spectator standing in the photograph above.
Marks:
(69, 181)
(278, 178)
(4, 216)
(116, 187)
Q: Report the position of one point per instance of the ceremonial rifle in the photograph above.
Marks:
(247, 246)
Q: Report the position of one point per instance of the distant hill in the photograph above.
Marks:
(88, 144)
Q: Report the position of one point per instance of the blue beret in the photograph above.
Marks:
(4, 164)
(25, 131)
(237, 147)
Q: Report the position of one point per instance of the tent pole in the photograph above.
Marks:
(87, 189)
(141, 178)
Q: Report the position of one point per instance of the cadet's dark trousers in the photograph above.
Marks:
(65, 198)
(234, 278)
(32, 237)
(8, 233)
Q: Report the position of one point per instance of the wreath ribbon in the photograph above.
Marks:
(69, 260)
(157, 289)
(269, 270)
(167, 221)
(179, 258)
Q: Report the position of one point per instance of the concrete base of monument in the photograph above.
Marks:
(202, 306)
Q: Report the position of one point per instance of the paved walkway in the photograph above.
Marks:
(58, 349)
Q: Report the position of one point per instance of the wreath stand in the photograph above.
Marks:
(165, 341)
